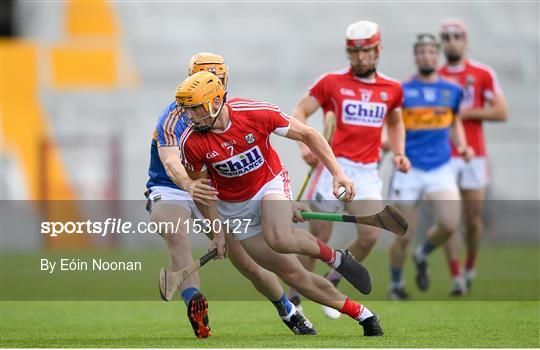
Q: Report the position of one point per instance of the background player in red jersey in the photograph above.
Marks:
(483, 101)
(362, 100)
(229, 142)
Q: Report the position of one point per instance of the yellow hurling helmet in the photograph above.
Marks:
(198, 92)
(206, 61)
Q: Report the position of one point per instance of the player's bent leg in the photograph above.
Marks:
(398, 253)
(180, 257)
(447, 210)
(267, 284)
(310, 285)
(321, 230)
(178, 243)
(452, 250)
(279, 235)
(367, 236)
(446, 207)
(263, 280)
(473, 205)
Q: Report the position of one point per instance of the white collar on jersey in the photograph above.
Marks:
(456, 69)
(367, 81)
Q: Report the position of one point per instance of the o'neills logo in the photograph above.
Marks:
(240, 164)
(363, 113)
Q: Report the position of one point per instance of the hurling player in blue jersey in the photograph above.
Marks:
(171, 194)
(430, 113)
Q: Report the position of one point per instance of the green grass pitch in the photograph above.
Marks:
(502, 311)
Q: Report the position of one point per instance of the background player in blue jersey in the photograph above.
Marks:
(430, 110)
(171, 194)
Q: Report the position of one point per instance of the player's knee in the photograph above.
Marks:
(448, 225)
(297, 278)
(367, 238)
(403, 242)
(280, 243)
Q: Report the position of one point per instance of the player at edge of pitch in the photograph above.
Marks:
(483, 101)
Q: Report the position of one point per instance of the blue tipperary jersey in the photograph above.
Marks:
(429, 110)
(168, 131)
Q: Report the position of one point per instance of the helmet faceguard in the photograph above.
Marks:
(196, 96)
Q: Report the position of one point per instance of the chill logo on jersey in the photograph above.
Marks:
(363, 113)
(240, 164)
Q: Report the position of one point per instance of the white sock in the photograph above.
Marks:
(469, 274)
(419, 254)
(289, 315)
(337, 260)
(397, 285)
(364, 314)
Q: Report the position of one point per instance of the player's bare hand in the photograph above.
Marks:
(341, 180)
(298, 208)
(219, 243)
(308, 156)
(467, 153)
(402, 163)
(201, 191)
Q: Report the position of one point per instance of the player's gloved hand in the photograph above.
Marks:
(298, 208)
(219, 243)
(308, 156)
(402, 163)
(467, 153)
(201, 191)
(341, 180)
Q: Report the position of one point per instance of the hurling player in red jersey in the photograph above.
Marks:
(229, 143)
(363, 100)
(172, 195)
(483, 101)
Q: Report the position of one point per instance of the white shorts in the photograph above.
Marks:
(365, 176)
(250, 209)
(412, 185)
(167, 195)
(472, 175)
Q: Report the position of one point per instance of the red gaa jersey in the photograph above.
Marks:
(480, 84)
(239, 159)
(360, 107)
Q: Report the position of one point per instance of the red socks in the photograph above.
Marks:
(469, 263)
(351, 308)
(326, 254)
(455, 268)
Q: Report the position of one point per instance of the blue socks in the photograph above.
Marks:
(427, 248)
(188, 293)
(283, 306)
(395, 273)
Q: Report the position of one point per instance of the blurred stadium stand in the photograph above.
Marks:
(104, 70)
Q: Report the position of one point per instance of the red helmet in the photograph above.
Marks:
(363, 34)
(453, 26)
